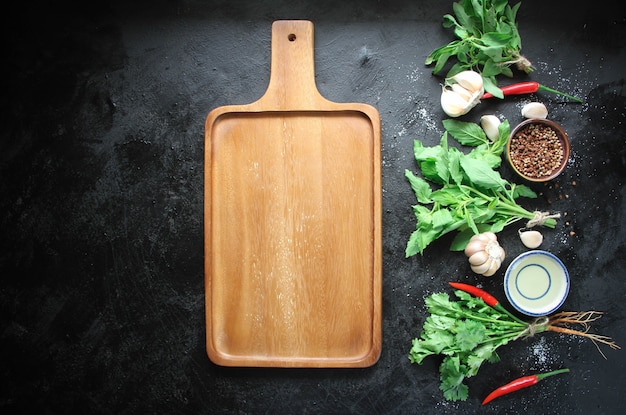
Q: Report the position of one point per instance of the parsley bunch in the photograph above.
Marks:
(467, 332)
(469, 195)
(487, 41)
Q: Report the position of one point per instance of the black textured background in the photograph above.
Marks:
(101, 229)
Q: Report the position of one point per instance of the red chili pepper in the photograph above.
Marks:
(489, 299)
(528, 88)
(520, 383)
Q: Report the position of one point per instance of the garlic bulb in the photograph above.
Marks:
(534, 110)
(470, 80)
(461, 93)
(490, 124)
(485, 253)
(530, 239)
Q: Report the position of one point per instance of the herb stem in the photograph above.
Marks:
(480, 317)
(503, 205)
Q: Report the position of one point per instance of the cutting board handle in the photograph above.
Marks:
(292, 74)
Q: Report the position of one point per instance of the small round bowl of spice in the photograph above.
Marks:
(538, 149)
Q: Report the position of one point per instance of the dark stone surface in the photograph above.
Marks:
(101, 227)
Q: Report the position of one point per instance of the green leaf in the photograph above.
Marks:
(497, 225)
(452, 374)
(441, 62)
(506, 71)
(494, 53)
(461, 239)
(419, 240)
(441, 219)
(481, 174)
(422, 153)
(469, 333)
(463, 18)
(504, 131)
(478, 12)
(420, 187)
(423, 214)
(484, 152)
(511, 12)
(428, 159)
(454, 165)
(521, 190)
(449, 21)
(495, 39)
(491, 86)
(436, 323)
(448, 195)
(466, 133)
(490, 68)
(470, 221)
(480, 355)
(421, 350)
(413, 246)
(499, 5)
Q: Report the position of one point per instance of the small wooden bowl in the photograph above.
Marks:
(536, 159)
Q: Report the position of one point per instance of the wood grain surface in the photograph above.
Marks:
(293, 222)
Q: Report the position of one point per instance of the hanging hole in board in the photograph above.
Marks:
(291, 37)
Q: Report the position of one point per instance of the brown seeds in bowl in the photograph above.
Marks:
(536, 151)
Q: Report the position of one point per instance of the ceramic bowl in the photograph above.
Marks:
(536, 283)
(529, 157)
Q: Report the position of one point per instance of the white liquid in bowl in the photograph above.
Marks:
(536, 283)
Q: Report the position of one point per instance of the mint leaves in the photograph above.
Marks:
(463, 192)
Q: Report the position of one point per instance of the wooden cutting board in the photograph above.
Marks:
(293, 222)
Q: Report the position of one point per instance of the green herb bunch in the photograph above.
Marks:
(463, 192)
(467, 333)
(487, 41)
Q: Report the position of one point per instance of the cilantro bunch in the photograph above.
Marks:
(487, 41)
(467, 332)
(463, 192)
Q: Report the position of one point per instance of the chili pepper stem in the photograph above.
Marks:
(554, 91)
(554, 372)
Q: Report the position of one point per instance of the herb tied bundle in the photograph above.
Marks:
(467, 332)
(488, 41)
(471, 197)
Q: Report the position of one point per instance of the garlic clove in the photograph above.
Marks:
(453, 104)
(490, 124)
(482, 268)
(493, 267)
(474, 246)
(530, 239)
(502, 254)
(534, 110)
(487, 236)
(467, 95)
(478, 258)
(470, 80)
